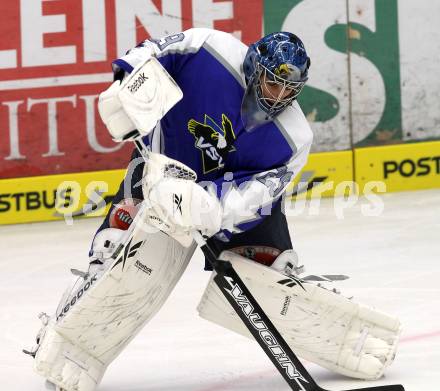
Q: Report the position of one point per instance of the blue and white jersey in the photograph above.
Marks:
(205, 131)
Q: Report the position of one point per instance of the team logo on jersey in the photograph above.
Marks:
(214, 141)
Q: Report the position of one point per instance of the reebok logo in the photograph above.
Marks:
(85, 287)
(129, 252)
(285, 306)
(177, 203)
(292, 281)
(143, 267)
(137, 83)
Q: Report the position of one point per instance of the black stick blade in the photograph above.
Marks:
(394, 387)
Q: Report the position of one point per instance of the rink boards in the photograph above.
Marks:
(53, 197)
(376, 169)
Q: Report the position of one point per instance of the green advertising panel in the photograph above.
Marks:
(373, 77)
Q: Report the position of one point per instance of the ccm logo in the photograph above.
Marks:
(408, 168)
(141, 79)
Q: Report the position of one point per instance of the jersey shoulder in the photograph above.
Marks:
(226, 49)
(295, 128)
(229, 51)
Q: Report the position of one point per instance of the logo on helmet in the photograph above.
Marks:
(283, 70)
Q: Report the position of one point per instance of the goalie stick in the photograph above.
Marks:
(256, 321)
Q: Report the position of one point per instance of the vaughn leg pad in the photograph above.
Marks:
(318, 324)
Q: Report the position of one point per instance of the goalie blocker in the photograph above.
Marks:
(133, 106)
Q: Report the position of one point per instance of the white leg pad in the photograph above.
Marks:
(101, 313)
(318, 324)
(66, 364)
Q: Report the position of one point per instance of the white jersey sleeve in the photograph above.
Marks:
(256, 194)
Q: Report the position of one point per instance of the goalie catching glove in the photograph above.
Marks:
(178, 204)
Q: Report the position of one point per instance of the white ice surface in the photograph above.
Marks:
(393, 261)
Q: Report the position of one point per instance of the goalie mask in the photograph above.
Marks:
(276, 70)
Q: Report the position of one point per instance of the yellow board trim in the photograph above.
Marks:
(401, 167)
(326, 174)
(26, 200)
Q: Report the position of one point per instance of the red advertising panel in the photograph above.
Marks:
(55, 59)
